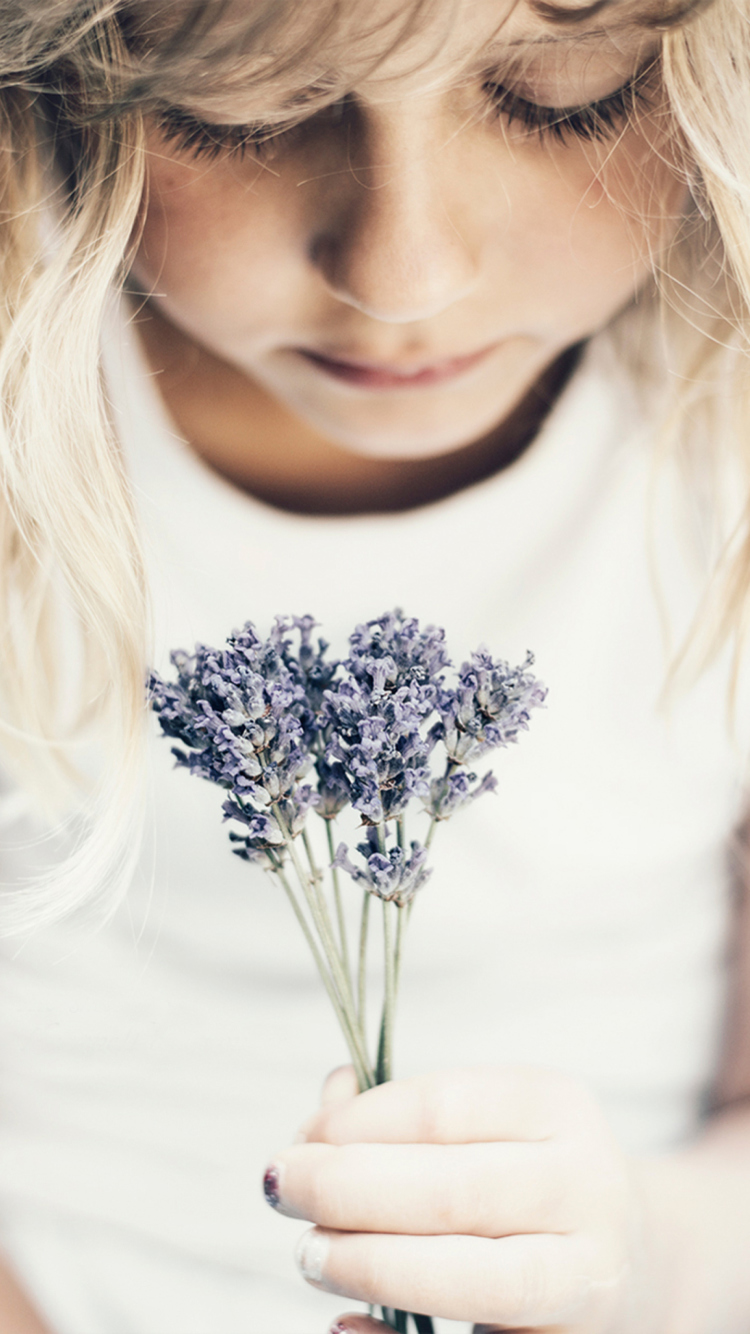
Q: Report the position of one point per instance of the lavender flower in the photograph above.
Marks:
(392, 651)
(243, 715)
(489, 707)
(372, 719)
(455, 790)
(268, 834)
(389, 874)
(310, 668)
(376, 746)
(333, 789)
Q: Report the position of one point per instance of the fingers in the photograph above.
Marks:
(357, 1324)
(340, 1086)
(488, 1190)
(460, 1106)
(515, 1282)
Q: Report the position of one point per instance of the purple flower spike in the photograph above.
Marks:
(373, 718)
(390, 875)
(449, 794)
(489, 707)
(257, 716)
(392, 650)
(245, 715)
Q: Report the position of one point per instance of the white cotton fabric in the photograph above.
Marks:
(578, 919)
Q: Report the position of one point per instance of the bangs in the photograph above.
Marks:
(284, 53)
(282, 58)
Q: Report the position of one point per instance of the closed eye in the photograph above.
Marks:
(201, 139)
(599, 120)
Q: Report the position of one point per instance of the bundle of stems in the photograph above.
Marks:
(255, 717)
(323, 921)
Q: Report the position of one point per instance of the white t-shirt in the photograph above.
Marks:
(577, 919)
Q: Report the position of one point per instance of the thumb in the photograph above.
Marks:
(340, 1086)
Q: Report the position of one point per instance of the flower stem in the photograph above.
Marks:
(401, 921)
(319, 913)
(450, 766)
(390, 992)
(339, 905)
(363, 1075)
(362, 968)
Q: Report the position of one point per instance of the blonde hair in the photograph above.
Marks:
(75, 81)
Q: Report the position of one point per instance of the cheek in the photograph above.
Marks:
(213, 235)
(600, 219)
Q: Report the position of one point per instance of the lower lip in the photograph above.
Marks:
(366, 376)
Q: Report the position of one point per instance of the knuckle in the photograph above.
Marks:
(316, 1201)
(374, 1275)
(440, 1101)
(530, 1298)
(321, 1196)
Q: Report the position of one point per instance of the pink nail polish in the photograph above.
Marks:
(271, 1187)
(338, 1328)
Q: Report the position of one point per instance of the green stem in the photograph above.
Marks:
(322, 923)
(316, 885)
(450, 766)
(339, 904)
(380, 1075)
(363, 1076)
(362, 968)
(401, 920)
(395, 1320)
(390, 992)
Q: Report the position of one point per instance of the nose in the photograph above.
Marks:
(391, 244)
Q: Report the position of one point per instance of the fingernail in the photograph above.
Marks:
(338, 1328)
(311, 1255)
(271, 1189)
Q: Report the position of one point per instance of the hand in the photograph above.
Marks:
(493, 1194)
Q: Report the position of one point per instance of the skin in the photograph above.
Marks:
(403, 229)
(407, 227)
(498, 1195)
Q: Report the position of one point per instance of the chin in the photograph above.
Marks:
(400, 447)
(393, 441)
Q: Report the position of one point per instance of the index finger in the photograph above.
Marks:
(480, 1104)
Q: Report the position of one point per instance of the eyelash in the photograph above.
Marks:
(202, 140)
(595, 121)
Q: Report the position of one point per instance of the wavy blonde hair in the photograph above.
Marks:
(76, 79)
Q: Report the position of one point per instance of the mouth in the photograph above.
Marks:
(379, 375)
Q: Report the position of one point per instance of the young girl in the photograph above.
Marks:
(332, 308)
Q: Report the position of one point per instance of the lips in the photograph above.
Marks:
(388, 375)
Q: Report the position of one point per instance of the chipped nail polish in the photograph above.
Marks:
(271, 1187)
(311, 1255)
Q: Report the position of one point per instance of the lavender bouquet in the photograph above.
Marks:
(292, 735)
